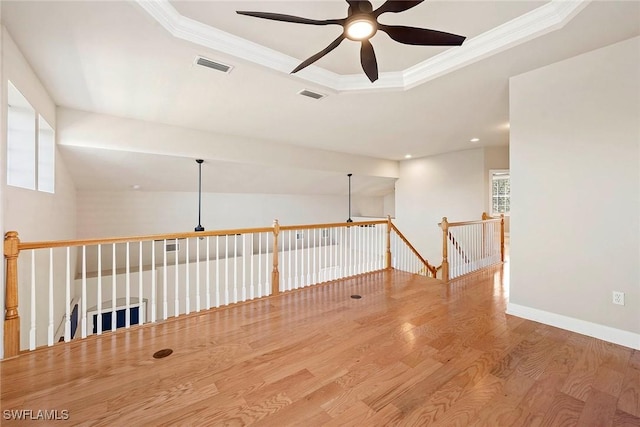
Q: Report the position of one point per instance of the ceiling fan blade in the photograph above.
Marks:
(290, 18)
(334, 44)
(421, 36)
(359, 6)
(395, 6)
(368, 60)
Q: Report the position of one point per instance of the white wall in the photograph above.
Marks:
(107, 213)
(575, 171)
(429, 188)
(34, 215)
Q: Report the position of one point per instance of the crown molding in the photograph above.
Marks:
(542, 20)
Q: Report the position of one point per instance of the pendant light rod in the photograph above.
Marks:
(349, 175)
(199, 227)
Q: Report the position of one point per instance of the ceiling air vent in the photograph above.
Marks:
(311, 94)
(213, 64)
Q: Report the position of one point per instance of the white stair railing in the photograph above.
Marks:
(471, 245)
(121, 282)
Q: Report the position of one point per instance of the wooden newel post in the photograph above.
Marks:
(11, 317)
(445, 257)
(387, 260)
(502, 237)
(275, 274)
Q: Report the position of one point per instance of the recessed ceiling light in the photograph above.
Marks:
(135, 187)
(474, 139)
(407, 156)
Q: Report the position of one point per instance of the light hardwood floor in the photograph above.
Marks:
(410, 352)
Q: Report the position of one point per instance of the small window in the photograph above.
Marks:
(46, 156)
(500, 192)
(21, 140)
(31, 145)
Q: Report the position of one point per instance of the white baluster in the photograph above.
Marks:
(307, 240)
(208, 273)
(235, 269)
(315, 248)
(127, 302)
(153, 282)
(32, 329)
(50, 329)
(289, 282)
(176, 278)
(283, 279)
(336, 263)
(165, 297)
(141, 320)
(297, 281)
(267, 289)
(98, 320)
(197, 274)
(244, 267)
(259, 265)
(67, 299)
(187, 263)
(252, 291)
(217, 271)
(325, 240)
(226, 269)
(114, 317)
(83, 322)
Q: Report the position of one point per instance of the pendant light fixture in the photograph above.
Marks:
(349, 175)
(199, 162)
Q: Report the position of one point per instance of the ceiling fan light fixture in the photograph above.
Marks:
(360, 28)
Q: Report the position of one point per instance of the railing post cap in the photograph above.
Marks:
(11, 242)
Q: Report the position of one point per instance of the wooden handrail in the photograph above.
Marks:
(148, 237)
(481, 221)
(416, 253)
(189, 234)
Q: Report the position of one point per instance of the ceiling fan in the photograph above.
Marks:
(361, 24)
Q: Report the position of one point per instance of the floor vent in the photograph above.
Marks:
(218, 66)
(161, 354)
(311, 94)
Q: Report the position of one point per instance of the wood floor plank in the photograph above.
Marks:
(410, 352)
(564, 411)
(622, 419)
(599, 410)
(629, 400)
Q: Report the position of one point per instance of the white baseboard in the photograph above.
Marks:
(602, 332)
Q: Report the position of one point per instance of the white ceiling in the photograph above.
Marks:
(114, 58)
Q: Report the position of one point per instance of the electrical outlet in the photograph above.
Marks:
(618, 297)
